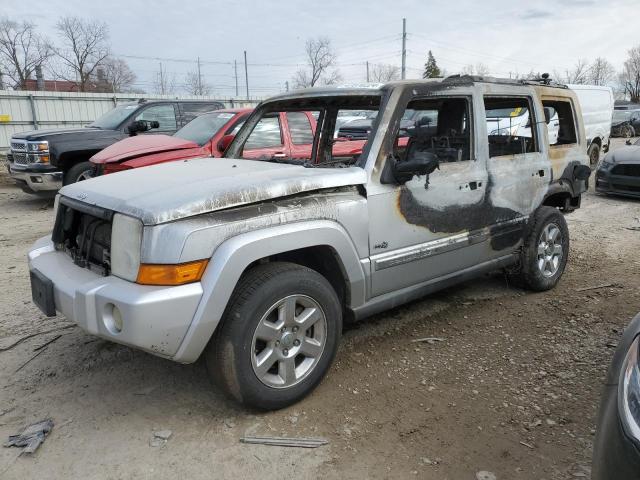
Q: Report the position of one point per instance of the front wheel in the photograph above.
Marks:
(79, 172)
(278, 337)
(545, 251)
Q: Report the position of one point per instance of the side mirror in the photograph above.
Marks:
(140, 126)
(548, 114)
(224, 142)
(421, 163)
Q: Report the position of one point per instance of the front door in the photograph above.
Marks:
(435, 225)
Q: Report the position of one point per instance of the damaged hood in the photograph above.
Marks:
(141, 145)
(175, 190)
(626, 154)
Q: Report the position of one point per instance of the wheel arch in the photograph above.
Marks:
(322, 244)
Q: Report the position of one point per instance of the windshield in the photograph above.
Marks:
(202, 128)
(621, 116)
(113, 118)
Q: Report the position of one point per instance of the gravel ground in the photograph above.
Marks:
(512, 388)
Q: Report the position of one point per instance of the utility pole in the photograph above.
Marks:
(367, 71)
(246, 74)
(404, 48)
(286, 85)
(235, 70)
(199, 79)
(162, 92)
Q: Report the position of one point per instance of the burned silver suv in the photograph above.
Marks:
(254, 263)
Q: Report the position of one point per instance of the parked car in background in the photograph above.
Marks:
(41, 161)
(285, 136)
(201, 137)
(616, 449)
(619, 171)
(626, 123)
(253, 260)
(596, 103)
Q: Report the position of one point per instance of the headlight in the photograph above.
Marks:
(126, 241)
(38, 146)
(629, 392)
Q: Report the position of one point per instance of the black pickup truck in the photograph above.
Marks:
(41, 161)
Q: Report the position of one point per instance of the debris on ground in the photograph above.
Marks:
(31, 437)
(286, 442)
(597, 287)
(429, 340)
(160, 438)
(484, 475)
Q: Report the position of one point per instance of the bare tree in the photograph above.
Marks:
(579, 74)
(85, 48)
(630, 76)
(384, 72)
(118, 76)
(195, 85)
(320, 57)
(601, 72)
(164, 83)
(481, 69)
(21, 51)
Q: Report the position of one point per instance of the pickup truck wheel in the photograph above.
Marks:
(278, 337)
(594, 155)
(78, 173)
(545, 250)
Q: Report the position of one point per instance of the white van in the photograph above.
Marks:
(596, 103)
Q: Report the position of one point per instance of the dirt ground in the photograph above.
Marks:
(512, 388)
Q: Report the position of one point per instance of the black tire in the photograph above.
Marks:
(594, 155)
(229, 353)
(79, 172)
(628, 131)
(530, 274)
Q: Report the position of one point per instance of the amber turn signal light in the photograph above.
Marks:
(157, 274)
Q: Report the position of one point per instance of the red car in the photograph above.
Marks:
(199, 138)
(283, 134)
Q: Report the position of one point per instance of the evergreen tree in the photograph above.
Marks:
(431, 69)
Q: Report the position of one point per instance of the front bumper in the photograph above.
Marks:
(36, 180)
(624, 185)
(155, 319)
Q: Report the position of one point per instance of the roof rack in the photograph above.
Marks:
(544, 79)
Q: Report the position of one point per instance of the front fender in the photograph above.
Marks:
(233, 256)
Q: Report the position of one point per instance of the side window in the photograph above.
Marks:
(560, 122)
(267, 133)
(509, 121)
(299, 128)
(439, 126)
(164, 114)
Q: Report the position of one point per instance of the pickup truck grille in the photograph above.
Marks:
(84, 233)
(629, 170)
(19, 152)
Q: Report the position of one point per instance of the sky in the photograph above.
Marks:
(508, 37)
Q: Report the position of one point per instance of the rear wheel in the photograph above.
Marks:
(545, 251)
(278, 337)
(594, 155)
(79, 172)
